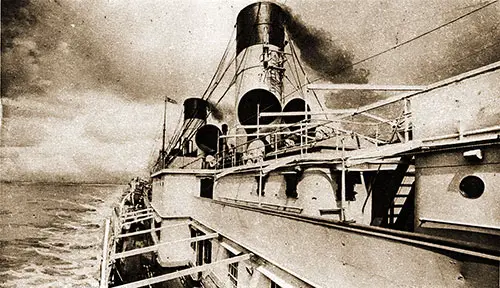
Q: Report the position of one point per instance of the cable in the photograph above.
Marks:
(403, 43)
(348, 66)
(468, 56)
(421, 35)
(217, 75)
(224, 55)
(190, 121)
(304, 72)
(384, 51)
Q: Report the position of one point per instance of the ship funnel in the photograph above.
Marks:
(296, 105)
(259, 45)
(260, 23)
(207, 138)
(195, 115)
(195, 108)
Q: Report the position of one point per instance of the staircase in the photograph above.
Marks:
(401, 206)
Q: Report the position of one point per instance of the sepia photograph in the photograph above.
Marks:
(249, 144)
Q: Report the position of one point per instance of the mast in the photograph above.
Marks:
(164, 128)
(163, 152)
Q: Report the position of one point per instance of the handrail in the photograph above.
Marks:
(336, 132)
(463, 134)
(456, 223)
(104, 259)
(285, 207)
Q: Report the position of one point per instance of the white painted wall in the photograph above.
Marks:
(176, 193)
(331, 256)
(438, 195)
(315, 190)
(336, 257)
(469, 104)
(176, 254)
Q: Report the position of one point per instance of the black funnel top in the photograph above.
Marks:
(259, 23)
(195, 108)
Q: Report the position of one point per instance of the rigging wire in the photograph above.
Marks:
(468, 56)
(348, 66)
(425, 17)
(177, 136)
(152, 163)
(382, 52)
(233, 80)
(227, 89)
(307, 80)
(217, 70)
(218, 74)
(374, 55)
(404, 42)
(294, 58)
(423, 34)
(233, 59)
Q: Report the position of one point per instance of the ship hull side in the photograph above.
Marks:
(326, 254)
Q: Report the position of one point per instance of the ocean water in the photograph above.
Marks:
(51, 234)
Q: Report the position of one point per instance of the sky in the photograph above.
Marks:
(83, 81)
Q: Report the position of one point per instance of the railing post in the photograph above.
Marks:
(260, 170)
(307, 126)
(406, 112)
(391, 214)
(342, 197)
(104, 260)
(258, 120)
(301, 140)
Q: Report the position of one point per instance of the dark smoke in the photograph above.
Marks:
(321, 53)
(215, 111)
(15, 18)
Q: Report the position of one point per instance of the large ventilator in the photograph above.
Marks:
(207, 135)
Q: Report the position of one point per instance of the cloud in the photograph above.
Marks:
(19, 132)
(117, 121)
(109, 140)
(69, 113)
(83, 81)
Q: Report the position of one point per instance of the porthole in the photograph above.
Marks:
(471, 187)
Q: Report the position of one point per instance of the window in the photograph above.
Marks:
(351, 179)
(207, 188)
(233, 271)
(274, 285)
(158, 232)
(207, 252)
(264, 181)
(291, 180)
(194, 233)
(471, 187)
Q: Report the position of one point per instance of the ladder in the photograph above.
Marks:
(402, 195)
